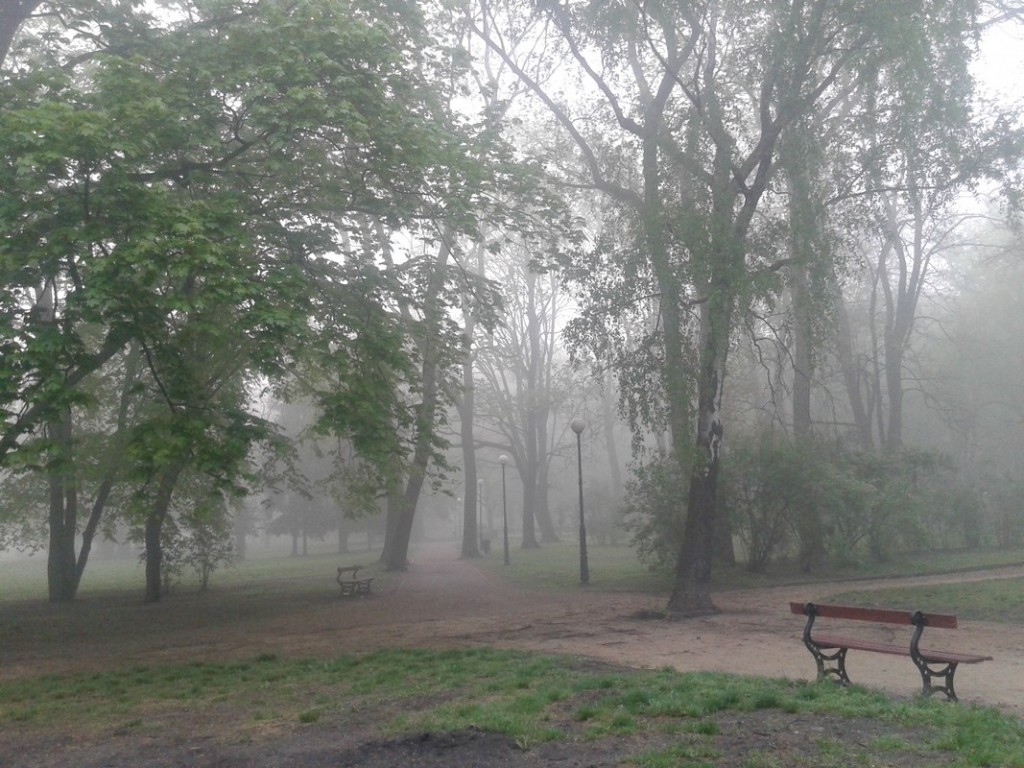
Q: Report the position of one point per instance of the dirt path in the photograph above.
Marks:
(754, 634)
(445, 602)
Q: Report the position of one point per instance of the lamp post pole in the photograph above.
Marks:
(480, 513)
(578, 426)
(503, 459)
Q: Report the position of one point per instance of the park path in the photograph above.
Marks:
(443, 602)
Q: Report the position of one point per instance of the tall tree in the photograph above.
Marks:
(519, 371)
(185, 187)
(701, 96)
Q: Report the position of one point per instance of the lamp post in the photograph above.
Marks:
(503, 460)
(578, 426)
(480, 514)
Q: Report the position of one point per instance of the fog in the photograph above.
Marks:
(254, 304)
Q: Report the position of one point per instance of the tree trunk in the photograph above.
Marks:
(154, 528)
(691, 593)
(343, 531)
(402, 509)
(394, 555)
(400, 516)
(548, 534)
(61, 566)
(528, 475)
(807, 521)
(131, 370)
(615, 486)
(804, 215)
(467, 412)
(13, 13)
(853, 375)
(533, 452)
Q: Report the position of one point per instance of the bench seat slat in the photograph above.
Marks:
(952, 657)
(933, 657)
(858, 644)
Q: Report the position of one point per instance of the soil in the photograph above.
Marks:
(443, 602)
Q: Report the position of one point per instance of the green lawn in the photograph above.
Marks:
(672, 719)
(25, 579)
(556, 566)
(998, 600)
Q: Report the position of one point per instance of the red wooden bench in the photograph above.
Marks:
(350, 583)
(829, 650)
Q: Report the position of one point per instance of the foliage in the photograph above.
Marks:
(195, 182)
(208, 545)
(197, 534)
(654, 510)
(763, 492)
(896, 516)
(840, 504)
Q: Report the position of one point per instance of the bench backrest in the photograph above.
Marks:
(880, 615)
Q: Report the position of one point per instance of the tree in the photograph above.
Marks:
(700, 97)
(521, 380)
(436, 345)
(186, 189)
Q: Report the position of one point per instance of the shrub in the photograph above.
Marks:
(655, 511)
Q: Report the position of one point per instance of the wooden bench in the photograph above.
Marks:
(829, 650)
(350, 583)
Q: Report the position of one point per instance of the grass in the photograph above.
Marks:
(551, 567)
(682, 719)
(532, 699)
(615, 569)
(557, 567)
(997, 600)
(25, 578)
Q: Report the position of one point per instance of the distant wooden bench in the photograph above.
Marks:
(829, 650)
(350, 583)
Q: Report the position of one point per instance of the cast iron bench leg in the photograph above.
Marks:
(821, 658)
(928, 674)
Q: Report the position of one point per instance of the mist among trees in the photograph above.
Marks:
(308, 269)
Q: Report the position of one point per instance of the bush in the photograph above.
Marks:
(655, 511)
(818, 501)
(760, 494)
(200, 539)
(822, 501)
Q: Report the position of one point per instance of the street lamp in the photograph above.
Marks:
(503, 460)
(578, 426)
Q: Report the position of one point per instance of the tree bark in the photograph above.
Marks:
(400, 516)
(853, 375)
(106, 486)
(61, 565)
(467, 410)
(13, 13)
(167, 480)
(691, 593)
